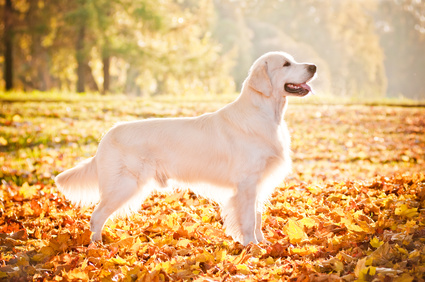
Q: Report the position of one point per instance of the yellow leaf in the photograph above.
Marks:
(28, 191)
(334, 263)
(3, 142)
(166, 266)
(171, 222)
(307, 222)
(137, 244)
(206, 219)
(351, 226)
(205, 257)
(269, 260)
(118, 260)
(403, 210)
(3, 274)
(375, 242)
(309, 201)
(294, 231)
(369, 261)
(314, 189)
(415, 254)
(306, 250)
(372, 270)
(402, 250)
(362, 271)
(361, 264)
(243, 269)
(338, 266)
(76, 274)
(220, 255)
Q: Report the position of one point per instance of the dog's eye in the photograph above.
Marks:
(286, 64)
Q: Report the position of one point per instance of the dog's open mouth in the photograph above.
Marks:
(301, 88)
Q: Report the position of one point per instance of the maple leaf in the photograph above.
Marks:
(305, 250)
(27, 191)
(294, 231)
(364, 269)
(76, 274)
(118, 260)
(375, 242)
(307, 222)
(352, 226)
(403, 210)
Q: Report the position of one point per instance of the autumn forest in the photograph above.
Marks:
(142, 48)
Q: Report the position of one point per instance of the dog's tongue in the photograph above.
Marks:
(306, 87)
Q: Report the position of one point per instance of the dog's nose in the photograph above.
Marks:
(312, 68)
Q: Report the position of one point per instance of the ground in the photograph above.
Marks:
(353, 208)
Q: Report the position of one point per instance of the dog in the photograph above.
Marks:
(235, 156)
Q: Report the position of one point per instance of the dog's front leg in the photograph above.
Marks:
(246, 210)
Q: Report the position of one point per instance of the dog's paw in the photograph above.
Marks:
(96, 237)
(266, 242)
(249, 239)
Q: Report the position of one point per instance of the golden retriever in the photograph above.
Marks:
(235, 156)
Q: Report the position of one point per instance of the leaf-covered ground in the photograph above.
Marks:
(353, 208)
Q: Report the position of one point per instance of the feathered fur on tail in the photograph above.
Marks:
(80, 184)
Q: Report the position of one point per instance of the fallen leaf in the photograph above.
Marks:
(403, 210)
(294, 231)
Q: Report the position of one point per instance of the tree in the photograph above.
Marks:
(110, 18)
(232, 31)
(8, 45)
(401, 28)
(341, 34)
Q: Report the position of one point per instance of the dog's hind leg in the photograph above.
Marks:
(115, 195)
(258, 233)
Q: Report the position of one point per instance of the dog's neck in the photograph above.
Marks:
(280, 107)
(272, 107)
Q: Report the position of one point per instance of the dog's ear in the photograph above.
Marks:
(259, 80)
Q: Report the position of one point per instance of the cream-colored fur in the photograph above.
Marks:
(235, 156)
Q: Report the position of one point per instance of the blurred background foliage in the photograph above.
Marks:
(363, 48)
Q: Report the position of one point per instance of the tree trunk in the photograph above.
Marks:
(8, 55)
(106, 74)
(81, 58)
(91, 83)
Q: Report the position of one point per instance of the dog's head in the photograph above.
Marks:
(277, 73)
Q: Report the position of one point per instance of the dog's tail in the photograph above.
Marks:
(80, 184)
